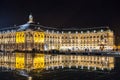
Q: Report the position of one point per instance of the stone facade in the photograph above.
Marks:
(31, 36)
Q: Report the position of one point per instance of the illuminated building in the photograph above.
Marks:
(31, 36)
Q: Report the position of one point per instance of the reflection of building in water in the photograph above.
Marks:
(7, 60)
(20, 61)
(31, 36)
(38, 61)
(79, 61)
(30, 61)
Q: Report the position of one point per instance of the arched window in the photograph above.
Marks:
(94, 36)
(101, 37)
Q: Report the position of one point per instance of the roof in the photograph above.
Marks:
(37, 27)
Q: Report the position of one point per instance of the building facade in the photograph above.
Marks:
(31, 36)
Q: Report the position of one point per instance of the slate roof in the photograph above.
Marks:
(37, 27)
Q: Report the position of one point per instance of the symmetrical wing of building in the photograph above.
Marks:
(31, 36)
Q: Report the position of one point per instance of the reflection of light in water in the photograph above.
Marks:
(23, 73)
(30, 78)
(39, 62)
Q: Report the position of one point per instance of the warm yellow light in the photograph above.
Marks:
(39, 37)
(20, 62)
(20, 37)
(38, 62)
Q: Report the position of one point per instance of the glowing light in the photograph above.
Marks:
(20, 63)
(38, 61)
(39, 37)
(20, 37)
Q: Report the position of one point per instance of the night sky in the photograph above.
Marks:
(61, 13)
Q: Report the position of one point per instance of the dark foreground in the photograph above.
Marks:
(78, 75)
(10, 76)
(64, 75)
